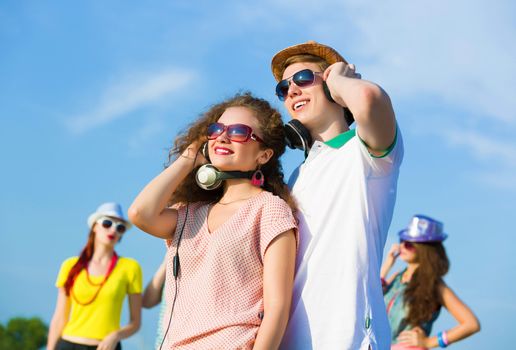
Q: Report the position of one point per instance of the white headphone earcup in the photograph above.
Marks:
(207, 177)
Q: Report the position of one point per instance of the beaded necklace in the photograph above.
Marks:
(112, 264)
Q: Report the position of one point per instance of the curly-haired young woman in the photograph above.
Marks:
(231, 250)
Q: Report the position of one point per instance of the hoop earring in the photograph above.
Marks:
(258, 178)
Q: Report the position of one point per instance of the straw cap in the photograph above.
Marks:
(310, 47)
(423, 229)
(110, 209)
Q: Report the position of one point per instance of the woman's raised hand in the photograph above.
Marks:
(193, 152)
(394, 251)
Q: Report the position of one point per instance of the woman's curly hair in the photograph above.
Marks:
(271, 127)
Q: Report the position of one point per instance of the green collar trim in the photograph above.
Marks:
(340, 140)
(387, 151)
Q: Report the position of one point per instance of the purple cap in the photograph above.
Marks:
(423, 229)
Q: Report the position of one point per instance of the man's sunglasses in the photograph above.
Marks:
(120, 227)
(303, 78)
(234, 132)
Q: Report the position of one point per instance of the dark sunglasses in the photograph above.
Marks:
(408, 245)
(107, 223)
(235, 132)
(303, 78)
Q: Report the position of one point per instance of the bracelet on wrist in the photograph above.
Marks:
(442, 339)
(445, 338)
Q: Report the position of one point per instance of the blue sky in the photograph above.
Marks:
(92, 93)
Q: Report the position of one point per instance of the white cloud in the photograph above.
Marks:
(497, 156)
(482, 146)
(128, 94)
(458, 51)
(144, 134)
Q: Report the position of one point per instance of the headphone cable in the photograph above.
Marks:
(175, 263)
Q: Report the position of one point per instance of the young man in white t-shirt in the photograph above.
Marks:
(346, 190)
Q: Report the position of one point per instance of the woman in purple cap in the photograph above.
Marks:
(414, 296)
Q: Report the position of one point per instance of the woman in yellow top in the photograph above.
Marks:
(92, 288)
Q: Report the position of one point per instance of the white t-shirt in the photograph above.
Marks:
(346, 198)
